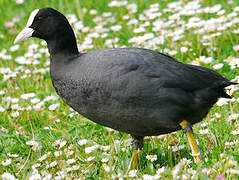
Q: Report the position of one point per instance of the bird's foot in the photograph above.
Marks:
(135, 158)
(186, 126)
(138, 145)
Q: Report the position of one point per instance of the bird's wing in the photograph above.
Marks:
(173, 74)
(142, 72)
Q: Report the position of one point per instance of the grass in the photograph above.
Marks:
(56, 133)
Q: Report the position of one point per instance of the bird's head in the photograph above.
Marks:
(45, 24)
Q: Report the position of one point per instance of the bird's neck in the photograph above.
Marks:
(63, 44)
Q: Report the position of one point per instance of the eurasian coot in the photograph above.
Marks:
(134, 90)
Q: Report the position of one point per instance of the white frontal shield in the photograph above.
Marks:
(27, 31)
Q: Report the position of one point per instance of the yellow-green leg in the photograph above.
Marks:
(186, 126)
(138, 145)
(135, 158)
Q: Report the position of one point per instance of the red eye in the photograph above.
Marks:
(40, 19)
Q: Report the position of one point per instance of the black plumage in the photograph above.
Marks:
(134, 90)
(137, 91)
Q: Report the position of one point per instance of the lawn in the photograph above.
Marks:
(42, 138)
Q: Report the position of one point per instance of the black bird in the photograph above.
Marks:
(133, 90)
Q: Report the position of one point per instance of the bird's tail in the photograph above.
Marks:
(221, 87)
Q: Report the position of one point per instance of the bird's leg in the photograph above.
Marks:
(138, 145)
(187, 127)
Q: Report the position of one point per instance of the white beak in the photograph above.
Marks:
(27, 32)
(24, 34)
